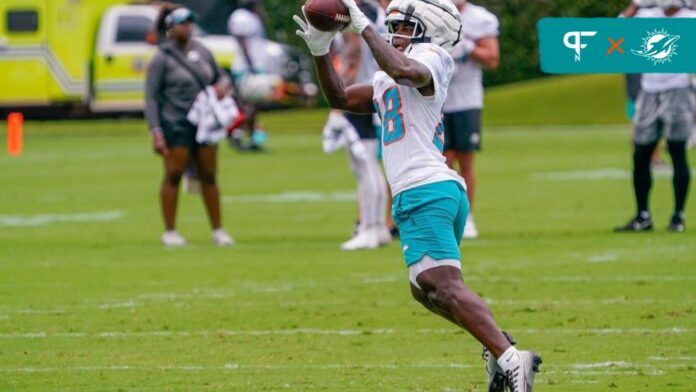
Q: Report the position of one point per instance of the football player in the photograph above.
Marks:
(430, 204)
(664, 109)
(246, 26)
(357, 65)
(477, 49)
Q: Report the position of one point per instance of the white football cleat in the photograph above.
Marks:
(470, 231)
(494, 373)
(365, 239)
(222, 238)
(521, 378)
(172, 238)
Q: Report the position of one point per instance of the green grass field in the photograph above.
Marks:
(89, 299)
(568, 99)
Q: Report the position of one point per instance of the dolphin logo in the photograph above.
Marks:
(658, 46)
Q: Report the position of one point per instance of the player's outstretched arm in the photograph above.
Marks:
(402, 69)
(356, 99)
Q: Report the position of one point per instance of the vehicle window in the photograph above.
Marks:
(22, 21)
(132, 28)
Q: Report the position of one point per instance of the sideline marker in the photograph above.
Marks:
(15, 134)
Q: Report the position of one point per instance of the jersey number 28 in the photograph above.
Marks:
(393, 122)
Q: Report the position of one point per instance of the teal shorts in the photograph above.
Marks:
(431, 220)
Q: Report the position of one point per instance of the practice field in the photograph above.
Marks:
(90, 300)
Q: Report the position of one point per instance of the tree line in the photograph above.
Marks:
(518, 36)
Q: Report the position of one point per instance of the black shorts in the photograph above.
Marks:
(180, 134)
(463, 130)
(363, 123)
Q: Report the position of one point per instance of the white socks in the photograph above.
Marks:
(509, 359)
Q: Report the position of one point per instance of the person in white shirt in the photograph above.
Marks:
(246, 26)
(477, 50)
(430, 203)
(664, 109)
(356, 66)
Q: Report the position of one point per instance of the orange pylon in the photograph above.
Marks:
(15, 134)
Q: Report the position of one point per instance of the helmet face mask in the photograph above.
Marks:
(395, 20)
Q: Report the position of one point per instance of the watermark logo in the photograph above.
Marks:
(573, 40)
(658, 46)
(615, 46)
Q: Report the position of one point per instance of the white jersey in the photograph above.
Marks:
(412, 132)
(247, 24)
(656, 82)
(466, 89)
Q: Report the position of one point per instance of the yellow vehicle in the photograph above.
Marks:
(92, 53)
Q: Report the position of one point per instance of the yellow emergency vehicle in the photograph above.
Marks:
(90, 53)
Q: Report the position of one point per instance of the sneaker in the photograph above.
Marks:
(521, 378)
(677, 224)
(222, 238)
(494, 374)
(384, 236)
(259, 138)
(470, 231)
(636, 224)
(172, 238)
(366, 239)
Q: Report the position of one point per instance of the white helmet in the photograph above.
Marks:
(437, 21)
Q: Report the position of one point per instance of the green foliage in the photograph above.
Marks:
(518, 36)
(280, 14)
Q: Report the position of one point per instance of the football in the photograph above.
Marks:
(327, 15)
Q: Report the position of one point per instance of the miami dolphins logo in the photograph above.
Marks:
(659, 47)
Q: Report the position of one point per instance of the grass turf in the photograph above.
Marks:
(100, 305)
(570, 99)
